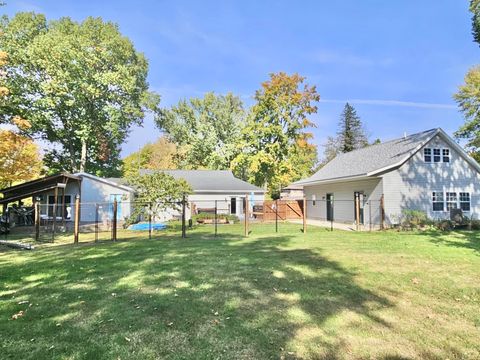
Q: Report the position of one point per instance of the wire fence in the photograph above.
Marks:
(79, 222)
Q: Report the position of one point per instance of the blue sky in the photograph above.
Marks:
(398, 62)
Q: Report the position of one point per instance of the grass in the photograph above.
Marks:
(320, 295)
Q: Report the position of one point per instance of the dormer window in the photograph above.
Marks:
(427, 155)
(436, 155)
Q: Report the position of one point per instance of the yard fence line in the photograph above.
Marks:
(46, 222)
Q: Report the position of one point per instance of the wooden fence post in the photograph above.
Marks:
(184, 230)
(114, 222)
(246, 215)
(76, 224)
(37, 219)
(382, 212)
(304, 215)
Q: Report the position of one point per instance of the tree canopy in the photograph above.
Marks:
(468, 95)
(19, 156)
(207, 129)
(160, 155)
(275, 140)
(80, 85)
(156, 192)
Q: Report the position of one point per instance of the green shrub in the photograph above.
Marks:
(209, 216)
(445, 225)
(413, 219)
(474, 224)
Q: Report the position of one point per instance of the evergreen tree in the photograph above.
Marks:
(351, 135)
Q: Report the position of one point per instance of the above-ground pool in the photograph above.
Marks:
(146, 226)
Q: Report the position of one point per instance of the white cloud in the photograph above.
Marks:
(414, 104)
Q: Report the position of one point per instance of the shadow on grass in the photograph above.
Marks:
(460, 239)
(201, 297)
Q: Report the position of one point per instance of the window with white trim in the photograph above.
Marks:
(427, 155)
(465, 201)
(451, 198)
(437, 201)
(436, 155)
(314, 199)
(446, 155)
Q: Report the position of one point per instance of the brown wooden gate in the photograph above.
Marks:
(284, 209)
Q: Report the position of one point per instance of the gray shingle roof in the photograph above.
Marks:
(211, 180)
(361, 162)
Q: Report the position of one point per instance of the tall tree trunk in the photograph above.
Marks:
(83, 158)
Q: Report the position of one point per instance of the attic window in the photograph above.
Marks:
(446, 155)
(436, 155)
(427, 155)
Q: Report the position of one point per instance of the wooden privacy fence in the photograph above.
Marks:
(284, 209)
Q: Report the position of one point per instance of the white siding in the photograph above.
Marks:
(344, 204)
(98, 192)
(411, 186)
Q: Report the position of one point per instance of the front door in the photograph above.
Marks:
(329, 207)
(233, 206)
(359, 197)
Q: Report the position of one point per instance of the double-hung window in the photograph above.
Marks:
(451, 200)
(436, 155)
(314, 199)
(465, 201)
(427, 155)
(437, 201)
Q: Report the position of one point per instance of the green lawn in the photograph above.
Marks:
(322, 295)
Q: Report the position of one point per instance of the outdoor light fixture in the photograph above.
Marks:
(77, 196)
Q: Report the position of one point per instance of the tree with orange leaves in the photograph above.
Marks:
(19, 155)
(275, 145)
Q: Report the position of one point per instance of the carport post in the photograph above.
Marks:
(333, 212)
(54, 224)
(76, 219)
(37, 219)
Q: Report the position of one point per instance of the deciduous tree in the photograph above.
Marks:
(156, 193)
(468, 95)
(19, 156)
(81, 86)
(160, 155)
(207, 129)
(275, 140)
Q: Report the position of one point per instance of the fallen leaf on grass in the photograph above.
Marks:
(128, 339)
(170, 324)
(415, 281)
(18, 315)
(23, 302)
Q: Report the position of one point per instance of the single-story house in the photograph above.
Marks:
(93, 191)
(427, 171)
(215, 187)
